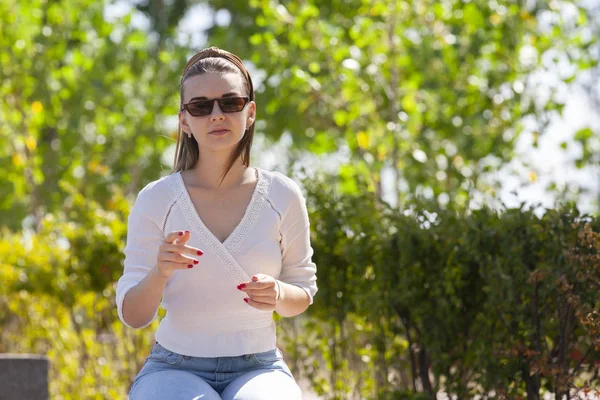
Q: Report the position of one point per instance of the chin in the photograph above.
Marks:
(222, 145)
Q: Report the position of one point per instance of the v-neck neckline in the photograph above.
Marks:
(244, 225)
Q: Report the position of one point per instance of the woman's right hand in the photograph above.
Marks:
(171, 253)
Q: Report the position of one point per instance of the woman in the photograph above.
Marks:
(224, 244)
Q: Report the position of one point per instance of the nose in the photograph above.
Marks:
(216, 113)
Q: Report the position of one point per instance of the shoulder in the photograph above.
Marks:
(284, 185)
(156, 194)
(285, 193)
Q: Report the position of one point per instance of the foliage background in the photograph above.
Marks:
(429, 292)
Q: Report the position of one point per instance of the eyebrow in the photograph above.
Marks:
(225, 95)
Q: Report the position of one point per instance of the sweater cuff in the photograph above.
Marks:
(306, 289)
(121, 299)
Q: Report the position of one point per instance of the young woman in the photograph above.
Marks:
(223, 244)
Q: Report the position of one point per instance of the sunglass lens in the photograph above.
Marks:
(233, 104)
(200, 108)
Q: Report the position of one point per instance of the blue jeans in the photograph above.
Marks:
(258, 376)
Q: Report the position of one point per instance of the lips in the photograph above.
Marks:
(219, 131)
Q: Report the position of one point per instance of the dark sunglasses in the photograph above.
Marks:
(200, 108)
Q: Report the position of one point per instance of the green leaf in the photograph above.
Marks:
(583, 135)
(340, 117)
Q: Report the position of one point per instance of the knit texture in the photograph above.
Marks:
(205, 312)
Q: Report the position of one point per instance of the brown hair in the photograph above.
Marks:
(212, 60)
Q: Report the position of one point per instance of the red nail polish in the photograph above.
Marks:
(243, 285)
(196, 261)
(200, 253)
(187, 231)
(180, 233)
(246, 300)
(190, 266)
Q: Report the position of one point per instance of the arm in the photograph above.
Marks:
(293, 292)
(141, 302)
(298, 273)
(143, 241)
(150, 259)
(293, 300)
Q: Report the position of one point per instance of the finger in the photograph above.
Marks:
(183, 238)
(256, 285)
(259, 305)
(259, 277)
(262, 291)
(179, 248)
(172, 265)
(263, 297)
(171, 237)
(176, 258)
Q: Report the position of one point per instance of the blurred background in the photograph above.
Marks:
(449, 152)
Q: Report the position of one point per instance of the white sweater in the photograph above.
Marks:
(205, 312)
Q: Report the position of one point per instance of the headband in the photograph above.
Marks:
(219, 53)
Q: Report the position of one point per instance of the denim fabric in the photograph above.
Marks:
(258, 376)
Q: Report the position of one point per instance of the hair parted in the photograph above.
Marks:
(212, 60)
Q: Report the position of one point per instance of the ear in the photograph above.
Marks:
(251, 114)
(183, 123)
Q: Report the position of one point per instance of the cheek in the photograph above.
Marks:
(196, 123)
(239, 123)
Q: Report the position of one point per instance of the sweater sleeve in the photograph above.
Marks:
(297, 266)
(144, 237)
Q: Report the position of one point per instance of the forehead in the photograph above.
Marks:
(213, 85)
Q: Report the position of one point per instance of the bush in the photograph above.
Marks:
(57, 298)
(410, 301)
(466, 302)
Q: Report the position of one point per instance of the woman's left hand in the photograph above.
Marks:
(262, 292)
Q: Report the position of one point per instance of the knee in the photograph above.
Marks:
(172, 384)
(263, 385)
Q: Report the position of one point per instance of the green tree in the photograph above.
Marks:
(435, 90)
(80, 102)
(430, 89)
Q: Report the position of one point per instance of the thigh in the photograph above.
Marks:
(172, 384)
(263, 385)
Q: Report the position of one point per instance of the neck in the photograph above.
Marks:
(210, 167)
